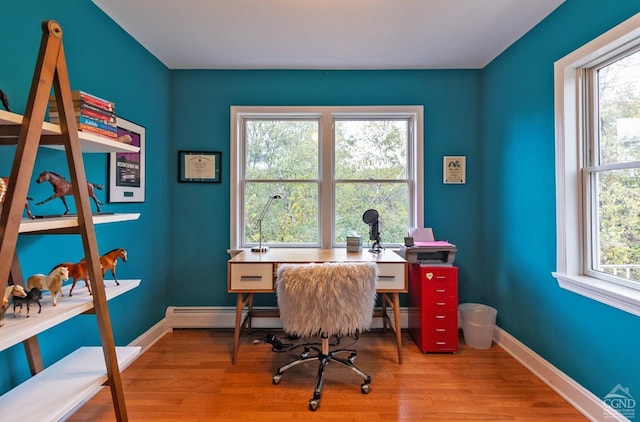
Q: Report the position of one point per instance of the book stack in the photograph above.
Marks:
(93, 114)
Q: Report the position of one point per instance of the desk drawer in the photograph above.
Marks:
(391, 277)
(251, 277)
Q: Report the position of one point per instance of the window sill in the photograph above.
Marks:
(620, 297)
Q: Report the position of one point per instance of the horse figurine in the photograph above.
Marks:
(77, 271)
(4, 185)
(9, 292)
(33, 296)
(51, 282)
(62, 188)
(108, 261)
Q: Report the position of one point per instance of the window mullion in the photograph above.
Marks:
(326, 176)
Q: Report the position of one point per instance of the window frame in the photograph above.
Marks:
(327, 115)
(571, 129)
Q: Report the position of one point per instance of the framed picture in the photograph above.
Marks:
(199, 166)
(454, 169)
(126, 169)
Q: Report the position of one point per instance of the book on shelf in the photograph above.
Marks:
(96, 123)
(107, 133)
(54, 117)
(92, 119)
(92, 114)
(83, 96)
(81, 107)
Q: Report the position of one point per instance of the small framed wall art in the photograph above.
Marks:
(199, 166)
(126, 169)
(454, 169)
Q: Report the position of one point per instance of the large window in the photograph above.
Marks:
(598, 168)
(319, 169)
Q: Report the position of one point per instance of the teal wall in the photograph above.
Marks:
(502, 219)
(104, 60)
(593, 343)
(200, 107)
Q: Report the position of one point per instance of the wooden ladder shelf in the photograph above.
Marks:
(51, 70)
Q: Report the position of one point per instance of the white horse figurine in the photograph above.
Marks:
(9, 292)
(51, 282)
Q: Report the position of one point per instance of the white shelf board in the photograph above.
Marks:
(53, 393)
(52, 223)
(19, 328)
(89, 142)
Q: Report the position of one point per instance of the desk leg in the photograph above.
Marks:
(239, 323)
(396, 317)
(249, 304)
(385, 315)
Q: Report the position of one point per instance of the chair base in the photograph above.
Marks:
(324, 356)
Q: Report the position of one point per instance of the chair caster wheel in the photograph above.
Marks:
(365, 388)
(276, 379)
(313, 404)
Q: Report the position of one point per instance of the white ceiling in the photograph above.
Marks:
(327, 34)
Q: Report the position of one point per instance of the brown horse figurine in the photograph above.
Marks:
(77, 271)
(108, 261)
(4, 185)
(62, 188)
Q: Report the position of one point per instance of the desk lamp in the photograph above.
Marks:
(258, 225)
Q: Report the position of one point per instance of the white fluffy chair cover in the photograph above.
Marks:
(336, 298)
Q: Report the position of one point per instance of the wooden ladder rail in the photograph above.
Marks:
(51, 70)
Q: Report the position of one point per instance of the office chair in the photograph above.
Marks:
(328, 299)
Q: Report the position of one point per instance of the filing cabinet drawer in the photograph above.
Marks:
(391, 277)
(251, 277)
(440, 304)
(433, 319)
(438, 274)
(443, 339)
(434, 292)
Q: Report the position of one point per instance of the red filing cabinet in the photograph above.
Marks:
(433, 307)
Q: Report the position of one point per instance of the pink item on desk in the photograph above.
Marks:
(434, 243)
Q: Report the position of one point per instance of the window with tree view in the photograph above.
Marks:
(597, 116)
(612, 181)
(325, 166)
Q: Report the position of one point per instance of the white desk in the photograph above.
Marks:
(254, 272)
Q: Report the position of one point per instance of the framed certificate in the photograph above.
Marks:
(199, 166)
(454, 169)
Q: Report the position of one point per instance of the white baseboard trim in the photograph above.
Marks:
(579, 397)
(151, 336)
(225, 317)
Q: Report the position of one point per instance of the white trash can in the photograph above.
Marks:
(478, 322)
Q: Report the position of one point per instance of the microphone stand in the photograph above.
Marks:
(261, 248)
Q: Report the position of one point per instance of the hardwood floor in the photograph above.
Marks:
(188, 376)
